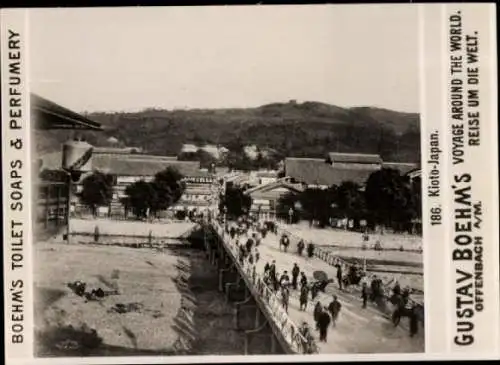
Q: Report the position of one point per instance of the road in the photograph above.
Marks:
(358, 330)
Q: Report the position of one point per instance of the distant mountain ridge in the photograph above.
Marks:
(308, 129)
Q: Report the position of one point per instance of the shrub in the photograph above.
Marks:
(180, 215)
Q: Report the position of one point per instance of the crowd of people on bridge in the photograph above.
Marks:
(248, 236)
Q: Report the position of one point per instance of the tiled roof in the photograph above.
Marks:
(314, 171)
(128, 165)
(355, 157)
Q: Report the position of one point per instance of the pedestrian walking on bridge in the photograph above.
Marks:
(307, 338)
(284, 279)
(284, 241)
(364, 293)
(318, 308)
(285, 297)
(323, 323)
(339, 275)
(272, 269)
(303, 280)
(295, 275)
(300, 247)
(304, 294)
(334, 309)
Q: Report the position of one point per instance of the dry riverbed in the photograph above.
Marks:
(166, 303)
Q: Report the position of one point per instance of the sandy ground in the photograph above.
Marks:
(131, 228)
(330, 236)
(178, 309)
(347, 245)
(410, 258)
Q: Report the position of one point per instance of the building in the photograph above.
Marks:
(265, 197)
(52, 196)
(261, 177)
(337, 168)
(359, 161)
(201, 194)
(127, 168)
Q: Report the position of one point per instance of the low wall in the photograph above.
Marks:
(132, 241)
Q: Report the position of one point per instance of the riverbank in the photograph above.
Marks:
(167, 303)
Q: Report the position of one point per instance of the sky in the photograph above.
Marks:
(128, 59)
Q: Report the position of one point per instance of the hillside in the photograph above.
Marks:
(294, 129)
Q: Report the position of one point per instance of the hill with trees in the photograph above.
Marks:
(291, 129)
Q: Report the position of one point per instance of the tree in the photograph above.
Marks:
(389, 198)
(165, 190)
(350, 201)
(205, 159)
(317, 204)
(235, 201)
(169, 187)
(97, 190)
(141, 198)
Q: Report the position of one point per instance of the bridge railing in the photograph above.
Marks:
(282, 321)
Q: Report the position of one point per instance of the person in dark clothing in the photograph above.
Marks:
(295, 275)
(249, 244)
(314, 290)
(339, 275)
(300, 247)
(374, 288)
(242, 254)
(318, 308)
(257, 255)
(323, 323)
(304, 293)
(303, 279)
(413, 321)
(397, 289)
(334, 309)
(310, 249)
(285, 241)
(267, 267)
(276, 283)
(284, 279)
(364, 294)
(307, 337)
(272, 269)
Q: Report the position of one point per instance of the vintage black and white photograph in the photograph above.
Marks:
(226, 180)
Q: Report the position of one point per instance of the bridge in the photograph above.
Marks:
(259, 313)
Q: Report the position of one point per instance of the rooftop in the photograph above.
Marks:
(313, 171)
(129, 165)
(355, 158)
(49, 115)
